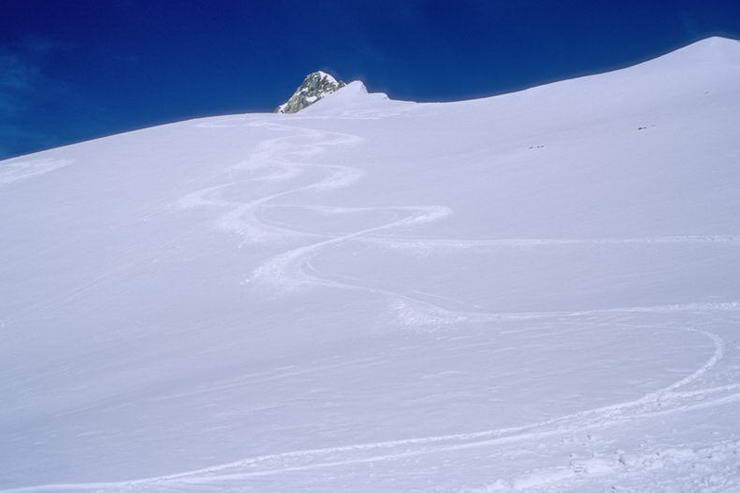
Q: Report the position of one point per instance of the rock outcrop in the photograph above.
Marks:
(315, 86)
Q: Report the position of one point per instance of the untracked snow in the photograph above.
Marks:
(538, 291)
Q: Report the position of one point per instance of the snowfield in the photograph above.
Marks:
(538, 291)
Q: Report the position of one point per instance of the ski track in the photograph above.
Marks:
(282, 159)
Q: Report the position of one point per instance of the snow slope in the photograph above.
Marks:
(538, 291)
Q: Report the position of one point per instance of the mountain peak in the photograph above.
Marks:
(315, 86)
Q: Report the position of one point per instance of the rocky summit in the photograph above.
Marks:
(315, 86)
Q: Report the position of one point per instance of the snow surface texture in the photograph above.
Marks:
(538, 291)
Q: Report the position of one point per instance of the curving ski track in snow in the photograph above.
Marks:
(287, 157)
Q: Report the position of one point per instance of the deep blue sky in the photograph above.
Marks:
(72, 70)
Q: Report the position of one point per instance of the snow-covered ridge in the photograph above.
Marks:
(354, 96)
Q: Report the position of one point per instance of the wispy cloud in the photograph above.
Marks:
(21, 68)
(22, 78)
(15, 73)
